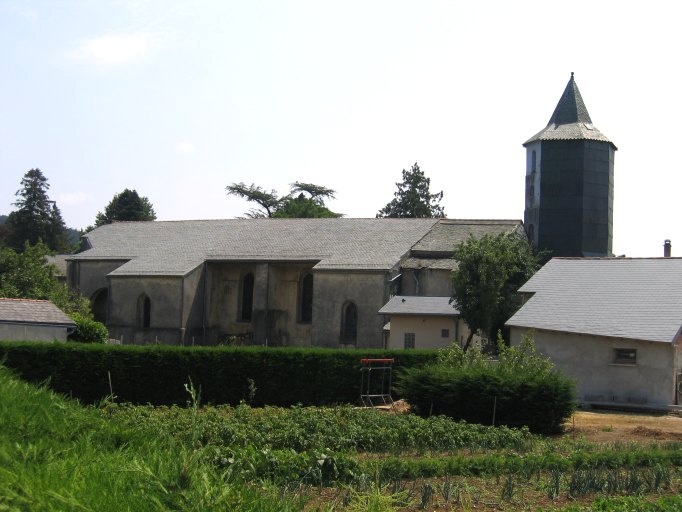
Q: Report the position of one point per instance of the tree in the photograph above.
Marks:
(490, 271)
(306, 200)
(37, 217)
(27, 275)
(126, 206)
(414, 198)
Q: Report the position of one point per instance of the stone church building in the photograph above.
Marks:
(322, 282)
(284, 282)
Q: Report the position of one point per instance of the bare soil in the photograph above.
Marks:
(606, 426)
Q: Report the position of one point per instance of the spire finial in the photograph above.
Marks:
(571, 74)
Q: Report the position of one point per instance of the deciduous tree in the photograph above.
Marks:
(490, 271)
(414, 198)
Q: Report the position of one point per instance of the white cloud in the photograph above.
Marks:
(114, 50)
(71, 198)
(185, 148)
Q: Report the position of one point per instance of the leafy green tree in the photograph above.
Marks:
(126, 206)
(414, 198)
(36, 218)
(490, 271)
(27, 275)
(306, 200)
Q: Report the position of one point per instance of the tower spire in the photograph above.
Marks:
(571, 107)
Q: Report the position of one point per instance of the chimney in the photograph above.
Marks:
(666, 249)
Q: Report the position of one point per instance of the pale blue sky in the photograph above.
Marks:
(179, 99)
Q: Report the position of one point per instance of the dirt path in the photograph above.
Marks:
(605, 426)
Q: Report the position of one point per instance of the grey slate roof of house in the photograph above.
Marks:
(27, 311)
(570, 120)
(178, 247)
(419, 306)
(632, 298)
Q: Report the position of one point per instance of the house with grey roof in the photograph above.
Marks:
(33, 320)
(284, 282)
(612, 324)
(423, 322)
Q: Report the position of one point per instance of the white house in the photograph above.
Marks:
(423, 322)
(612, 324)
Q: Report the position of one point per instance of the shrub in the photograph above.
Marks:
(88, 331)
(157, 374)
(520, 388)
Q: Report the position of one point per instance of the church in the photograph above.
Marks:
(323, 282)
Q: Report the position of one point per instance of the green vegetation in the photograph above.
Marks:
(88, 330)
(519, 388)
(126, 206)
(490, 270)
(57, 455)
(413, 198)
(305, 200)
(226, 375)
(27, 275)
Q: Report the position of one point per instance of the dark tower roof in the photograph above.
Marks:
(570, 120)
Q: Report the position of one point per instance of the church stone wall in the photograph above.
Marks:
(90, 276)
(165, 295)
(367, 290)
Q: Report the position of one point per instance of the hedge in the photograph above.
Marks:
(88, 330)
(157, 374)
(542, 402)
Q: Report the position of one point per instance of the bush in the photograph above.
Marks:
(520, 388)
(157, 374)
(88, 331)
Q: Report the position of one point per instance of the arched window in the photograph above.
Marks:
(349, 323)
(306, 299)
(98, 303)
(144, 311)
(533, 161)
(247, 298)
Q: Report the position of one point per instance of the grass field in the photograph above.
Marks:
(57, 455)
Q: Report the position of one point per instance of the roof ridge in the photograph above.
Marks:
(24, 300)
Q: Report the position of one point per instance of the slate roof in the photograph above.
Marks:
(25, 311)
(570, 120)
(419, 306)
(632, 298)
(178, 247)
(447, 234)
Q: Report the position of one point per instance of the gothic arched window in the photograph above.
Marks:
(246, 303)
(98, 304)
(144, 311)
(305, 295)
(349, 323)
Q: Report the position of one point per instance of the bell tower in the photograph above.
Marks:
(569, 182)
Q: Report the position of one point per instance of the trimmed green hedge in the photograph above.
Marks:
(158, 374)
(542, 402)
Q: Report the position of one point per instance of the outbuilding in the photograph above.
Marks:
(612, 324)
(33, 320)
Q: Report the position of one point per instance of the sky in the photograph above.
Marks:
(179, 99)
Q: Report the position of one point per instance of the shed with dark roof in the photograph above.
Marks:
(33, 320)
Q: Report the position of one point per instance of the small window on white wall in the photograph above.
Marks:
(445, 333)
(625, 356)
(409, 340)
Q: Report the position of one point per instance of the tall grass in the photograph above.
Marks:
(58, 456)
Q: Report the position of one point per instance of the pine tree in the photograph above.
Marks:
(414, 198)
(126, 206)
(37, 217)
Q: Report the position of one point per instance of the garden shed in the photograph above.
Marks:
(33, 320)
